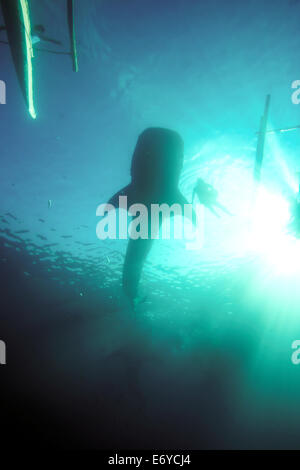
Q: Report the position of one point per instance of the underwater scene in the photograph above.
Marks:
(111, 339)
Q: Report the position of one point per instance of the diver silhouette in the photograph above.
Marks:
(208, 196)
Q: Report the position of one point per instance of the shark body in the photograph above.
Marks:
(155, 171)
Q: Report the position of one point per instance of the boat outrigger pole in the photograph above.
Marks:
(284, 129)
(261, 141)
(18, 27)
(71, 21)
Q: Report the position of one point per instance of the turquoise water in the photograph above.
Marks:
(205, 361)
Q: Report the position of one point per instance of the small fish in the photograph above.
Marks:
(42, 220)
(42, 237)
(11, 216)
(49, 203)
(22, 231)
(66, 236)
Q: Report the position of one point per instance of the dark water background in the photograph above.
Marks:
(205, 361)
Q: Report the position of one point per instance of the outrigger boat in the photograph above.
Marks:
(18, 26)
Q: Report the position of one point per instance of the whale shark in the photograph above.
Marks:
(155, 171)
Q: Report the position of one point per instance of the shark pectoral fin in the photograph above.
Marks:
(127, 191)
(136, 255)
(190, 213)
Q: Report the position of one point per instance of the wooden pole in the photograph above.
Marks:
(71, 21)
(261, 141)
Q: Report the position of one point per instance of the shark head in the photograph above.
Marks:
(157, 161)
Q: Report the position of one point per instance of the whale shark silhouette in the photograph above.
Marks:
(155, 171)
